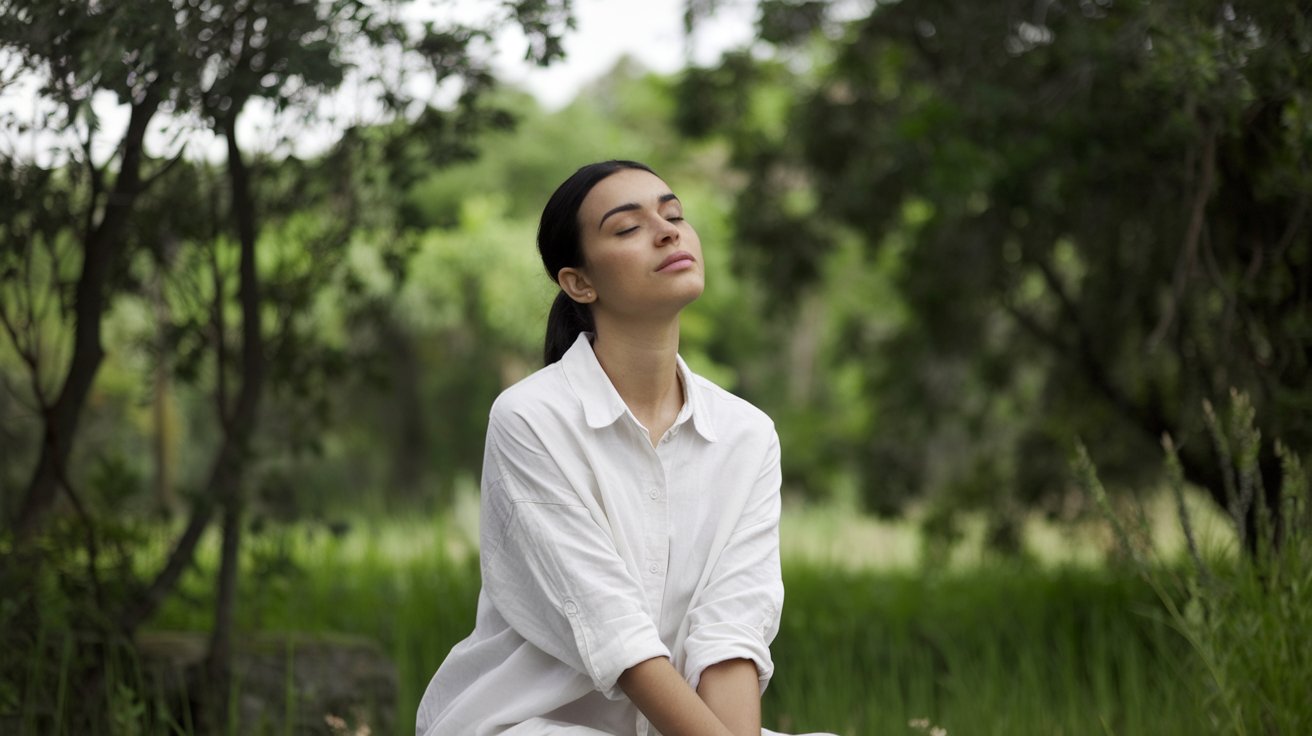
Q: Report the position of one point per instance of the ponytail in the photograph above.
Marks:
(567, 320)
(560, 245)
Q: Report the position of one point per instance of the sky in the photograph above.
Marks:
(648, 31)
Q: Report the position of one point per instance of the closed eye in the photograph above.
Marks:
(627, 230)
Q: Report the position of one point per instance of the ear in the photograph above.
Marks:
(574, 282)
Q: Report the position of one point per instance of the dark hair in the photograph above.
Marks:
(560, 245)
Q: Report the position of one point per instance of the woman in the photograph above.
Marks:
(630, 508)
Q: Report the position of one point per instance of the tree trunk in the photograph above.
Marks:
(219, 661)
(166, 499)
(230, 460)
(102, 249)
(410, 442)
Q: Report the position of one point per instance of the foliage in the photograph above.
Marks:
(213, 285)
(941, 238)
(1098, 212)
(1245, 616)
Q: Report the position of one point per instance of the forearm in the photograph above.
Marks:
(663, 696)
(732, 691)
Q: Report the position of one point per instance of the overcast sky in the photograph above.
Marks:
(649, 31)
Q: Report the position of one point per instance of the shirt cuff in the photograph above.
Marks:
(614, 646)
(721, 642)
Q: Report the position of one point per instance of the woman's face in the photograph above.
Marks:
(642, 259)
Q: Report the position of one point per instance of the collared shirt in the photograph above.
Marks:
(599, 551)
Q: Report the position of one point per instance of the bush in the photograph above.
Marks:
(1246, 614)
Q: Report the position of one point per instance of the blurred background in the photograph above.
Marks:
(1024, 286)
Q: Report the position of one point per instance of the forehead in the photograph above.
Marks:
(623, 187)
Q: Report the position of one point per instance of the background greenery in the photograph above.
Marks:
(946, 243)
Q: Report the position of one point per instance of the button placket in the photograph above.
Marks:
(657, 541)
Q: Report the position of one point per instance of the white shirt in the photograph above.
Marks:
(599, 551)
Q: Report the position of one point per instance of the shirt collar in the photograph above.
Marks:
(602, 404)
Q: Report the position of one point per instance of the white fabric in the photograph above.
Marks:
(599, 551)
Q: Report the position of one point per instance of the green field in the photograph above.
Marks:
(867, 646)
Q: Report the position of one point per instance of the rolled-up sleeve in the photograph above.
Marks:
(551, 569)
(737, 614)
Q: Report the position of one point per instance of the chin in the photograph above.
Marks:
(690, 293)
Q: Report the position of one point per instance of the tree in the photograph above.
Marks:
(210, 61)
(1100, 214)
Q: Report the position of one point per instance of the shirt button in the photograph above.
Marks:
(653, 494)
(570, 607)
(654, 568)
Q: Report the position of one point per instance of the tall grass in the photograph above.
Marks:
(995, 648)
(1246, 614)
(998, 649)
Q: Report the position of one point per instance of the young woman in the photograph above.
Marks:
(630, 508)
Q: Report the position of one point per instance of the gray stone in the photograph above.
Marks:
(285, 683)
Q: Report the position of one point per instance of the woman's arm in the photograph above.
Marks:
(736, 616)
(732, 690)
(663, 696)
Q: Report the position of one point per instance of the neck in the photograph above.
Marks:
(641, 360)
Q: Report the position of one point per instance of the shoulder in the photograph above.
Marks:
(734, 418)
(537, 402)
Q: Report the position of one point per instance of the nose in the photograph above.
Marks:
(667, 233)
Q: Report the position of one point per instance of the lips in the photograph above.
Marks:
(678, 257)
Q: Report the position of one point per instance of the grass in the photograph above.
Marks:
(980, 647)
(1246, 616)
(993, 650)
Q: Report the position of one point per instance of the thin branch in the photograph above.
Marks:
(150, 180)
(1294, 227)
(30, 360)
(97, 176)
(1184, 266)
(1039, 331)
(28, 354)
(1219, 281)
(182, 554)
(93, 547)
(219, 327)
(1085, 359)
(1083, 350)
(8, 324)
(1067, 304)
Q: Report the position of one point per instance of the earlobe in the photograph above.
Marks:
(575, 284)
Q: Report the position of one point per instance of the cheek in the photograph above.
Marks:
(613, 270)
(693, 238)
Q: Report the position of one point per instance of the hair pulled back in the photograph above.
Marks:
(560, 244)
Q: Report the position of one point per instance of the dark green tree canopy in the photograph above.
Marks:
(1118, 191)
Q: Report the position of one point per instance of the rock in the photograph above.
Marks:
(314, 683)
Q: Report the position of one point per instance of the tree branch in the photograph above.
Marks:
(219, 324)
(101, 251)
(97, 178)
(159, 173)
(28, 357)
(1184, 266)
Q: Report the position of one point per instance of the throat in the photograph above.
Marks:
(646, 376)
(658, 417)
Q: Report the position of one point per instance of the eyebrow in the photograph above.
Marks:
(633, 206)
